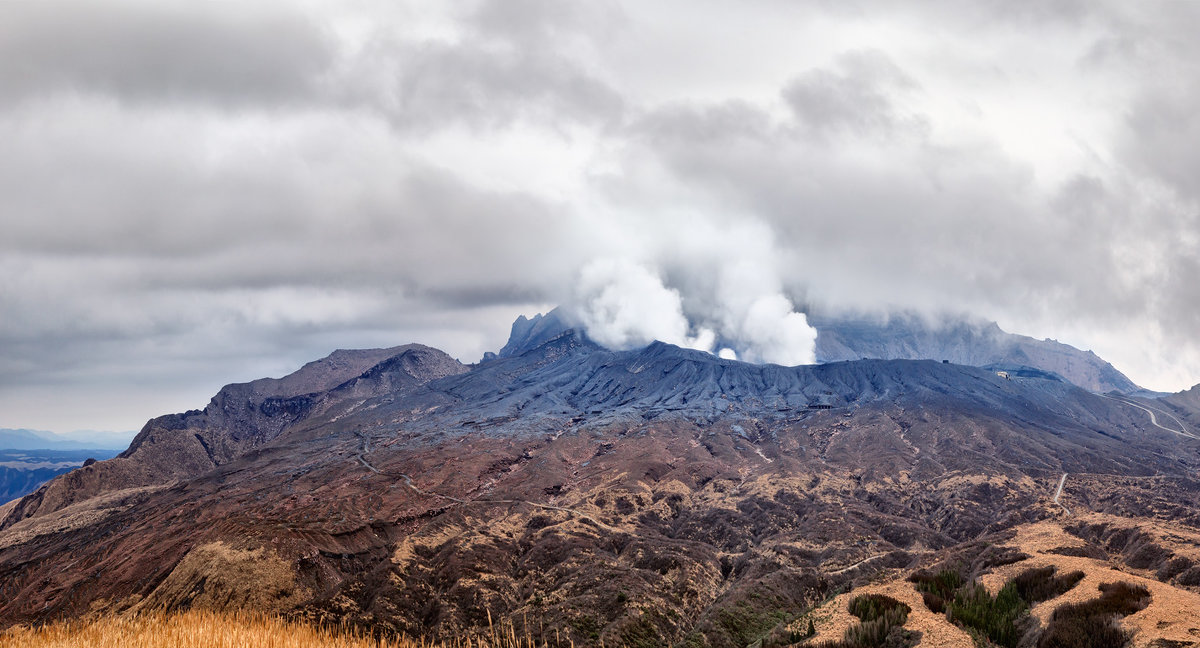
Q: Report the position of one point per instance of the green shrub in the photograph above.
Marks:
(882, 624)
(875, 633)
(937, 588)
(999, 619)
(869, 607)
(996, 617)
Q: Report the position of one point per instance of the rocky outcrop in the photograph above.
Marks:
(528, 334)
(221, 578)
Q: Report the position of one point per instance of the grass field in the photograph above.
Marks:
(201, 629)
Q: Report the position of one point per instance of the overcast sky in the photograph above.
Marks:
(198, 193)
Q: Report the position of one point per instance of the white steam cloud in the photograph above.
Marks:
(756, 318)
(625, 304)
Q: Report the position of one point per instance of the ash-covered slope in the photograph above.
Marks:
(660, 495)
(961, 342)
(530, 333)
(238, 419)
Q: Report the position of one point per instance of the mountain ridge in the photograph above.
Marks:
(961, 341)
(902, 336)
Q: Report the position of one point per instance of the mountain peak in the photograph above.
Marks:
(530, 333)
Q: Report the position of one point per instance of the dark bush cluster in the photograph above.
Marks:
(996, 556)
(1002, 618)
(1040, 584)
(869, 607)
(995, 617)
(882, 626)
(1085, 551)
(1094, 623)
(884, 631)
(937, 588)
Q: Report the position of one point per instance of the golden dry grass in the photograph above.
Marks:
(206, 629)
(1171, 614)
(833, 618)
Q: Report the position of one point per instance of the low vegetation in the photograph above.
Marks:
(994, 617)
(1003, 620)
(1094, 623)
(938, 587)
(870, 607)
(203, 629)
(882, 620)
(1040, 584)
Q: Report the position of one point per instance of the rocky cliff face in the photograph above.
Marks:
(661, 496)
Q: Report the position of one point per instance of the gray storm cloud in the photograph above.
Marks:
(195, 193)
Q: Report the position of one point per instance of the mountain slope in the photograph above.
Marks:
(906, 337)
(961, 342)
(645, 497)
(240, 418)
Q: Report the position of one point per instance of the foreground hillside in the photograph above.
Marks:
(651, 497)
(1069, 547)
(1083, 570)
(201, 629)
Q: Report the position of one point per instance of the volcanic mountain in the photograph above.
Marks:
(961, 341)
(659, 496)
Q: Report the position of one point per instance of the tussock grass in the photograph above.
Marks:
(204, 629)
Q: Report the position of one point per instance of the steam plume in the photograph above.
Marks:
(625, 304)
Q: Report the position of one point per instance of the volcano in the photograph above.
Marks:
(658, 495)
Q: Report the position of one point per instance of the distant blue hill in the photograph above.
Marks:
(22, 471)
(30, 458)
(25, 439)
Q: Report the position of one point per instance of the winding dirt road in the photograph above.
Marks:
(1182, 431)
(1058, 493)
